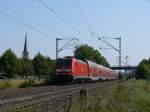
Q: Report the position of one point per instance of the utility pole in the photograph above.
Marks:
(117, 50)
(65, 46)
(119, 54)
(57, 39)
(126, 58)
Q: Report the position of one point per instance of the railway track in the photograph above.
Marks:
(7, 94)
(42, 94)
(14, 93)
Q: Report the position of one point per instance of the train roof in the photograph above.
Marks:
(91, 63)
(81, 61)
(72, 58)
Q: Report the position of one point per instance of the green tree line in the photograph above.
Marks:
(41, 66)
(11, 66)
(143, 69)
(88, 52)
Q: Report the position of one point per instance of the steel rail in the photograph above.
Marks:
(34, 99)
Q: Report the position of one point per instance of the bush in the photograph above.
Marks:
(143, 70)
(26, 84)
(126, 96)
(4, 84)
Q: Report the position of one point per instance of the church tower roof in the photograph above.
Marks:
(25, 50)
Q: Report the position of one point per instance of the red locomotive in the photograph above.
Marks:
(68, 69)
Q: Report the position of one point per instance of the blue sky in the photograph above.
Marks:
(129, 19)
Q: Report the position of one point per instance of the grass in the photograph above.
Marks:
(127, 96)
(19, 83)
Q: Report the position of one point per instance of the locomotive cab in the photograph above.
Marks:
(64, 70)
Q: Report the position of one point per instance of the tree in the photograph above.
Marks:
(143, 69)
(104, 62)
(50, 66)
(24, 68)
(86, 52)
(50, 71)
(41, 66)
(8, 63)
(0, 64)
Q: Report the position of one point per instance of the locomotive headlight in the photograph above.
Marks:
(69, 73)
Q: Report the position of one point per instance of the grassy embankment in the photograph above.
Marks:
(20, 83)
(126, 96)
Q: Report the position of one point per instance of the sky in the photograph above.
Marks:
(85, 20)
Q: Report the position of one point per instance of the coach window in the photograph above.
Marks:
(100, 71)
(82, 68)
(75, 64)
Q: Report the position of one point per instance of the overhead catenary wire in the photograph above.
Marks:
(60, 17)
(68, 12)
(83, 16)
(73, 17)
(25, 25)
(69, 44)
(66, 44)
(85, 19)
(22, 21)
(12, 11)
(66, 22)
(86, 22)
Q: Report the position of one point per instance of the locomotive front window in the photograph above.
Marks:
(64, 63)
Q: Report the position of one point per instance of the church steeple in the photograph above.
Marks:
(25, 51)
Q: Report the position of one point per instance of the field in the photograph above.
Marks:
(126, 96)
(19, 83)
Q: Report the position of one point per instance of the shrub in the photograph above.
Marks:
(126, 96)
(28, 83)
(4, 84)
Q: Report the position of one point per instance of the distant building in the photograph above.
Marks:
(25, 53)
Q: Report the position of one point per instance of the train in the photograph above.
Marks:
(69, 69)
